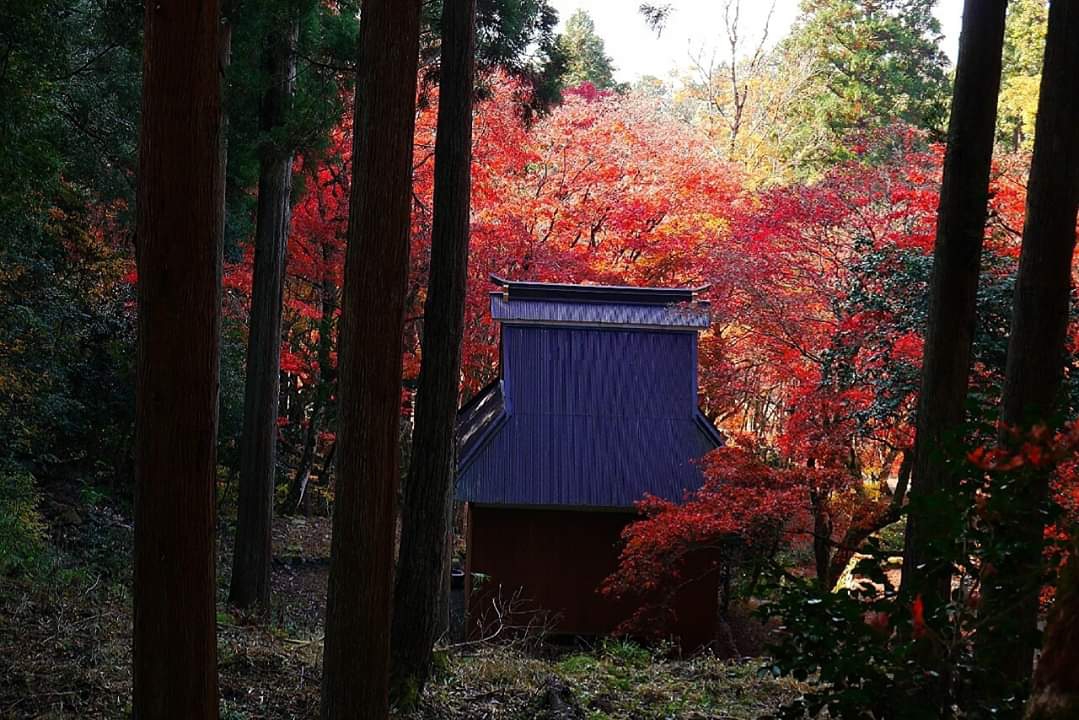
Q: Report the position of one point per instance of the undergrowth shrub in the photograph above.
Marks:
(874, 653)
(854, 648)
(22, 529)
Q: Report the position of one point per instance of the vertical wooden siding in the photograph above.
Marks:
(558, 559)
(595, 417)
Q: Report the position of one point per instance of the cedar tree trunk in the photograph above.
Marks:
(355, 681)
(1036, 350)
(252, 551)
(964, 196)
(428, 491)
(1056, 682)
(179, 270)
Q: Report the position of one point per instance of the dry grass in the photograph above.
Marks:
(612, 681)
(65, 641)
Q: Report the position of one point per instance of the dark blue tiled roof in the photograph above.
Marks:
(592, 412)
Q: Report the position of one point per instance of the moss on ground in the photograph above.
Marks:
(615, 681)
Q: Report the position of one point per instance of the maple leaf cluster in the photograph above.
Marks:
(741, 495)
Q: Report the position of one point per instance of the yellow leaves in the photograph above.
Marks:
(1017, 109)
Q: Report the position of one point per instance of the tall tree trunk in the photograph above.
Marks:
(964, 196)
(179, 293)
(1056, 682)
(252, 551)
(1036, 353)
(355, 681)
(428, 492)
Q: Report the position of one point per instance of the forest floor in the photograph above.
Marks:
(65, 641)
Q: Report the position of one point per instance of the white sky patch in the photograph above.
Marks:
(694, 25)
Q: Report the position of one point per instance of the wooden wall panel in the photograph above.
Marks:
(558, 559)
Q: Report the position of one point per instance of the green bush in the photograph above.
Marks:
(22, 530)
(626, 652)
(872, 653)
(854, 648)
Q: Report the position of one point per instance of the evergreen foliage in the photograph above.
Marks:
(874, 63)
(586, 58)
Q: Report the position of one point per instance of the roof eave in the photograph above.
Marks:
(523, 289)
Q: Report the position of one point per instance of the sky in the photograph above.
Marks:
(697, 25)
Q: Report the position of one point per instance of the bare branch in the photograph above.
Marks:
(656, 16)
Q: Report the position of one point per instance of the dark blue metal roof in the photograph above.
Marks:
(478, 418)
(607, 314)
(585, 461)
(602, 305)
(590, 413)
(525, 290)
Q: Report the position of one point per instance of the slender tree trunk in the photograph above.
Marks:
(964, 196)
(224, 60)
(258, 449)
(1036, 350)
(428, 492)
(298, 486)
(822, 541)
(179, 267)
(858, 533)
(355, 682)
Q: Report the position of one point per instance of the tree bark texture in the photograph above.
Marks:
(1056, 682)
(428, 491)
(1036, 349)
(964, 197)
(355, 682)
(258, 447)
(179, 267)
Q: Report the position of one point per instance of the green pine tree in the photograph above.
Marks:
(586, 58)
(876, 62)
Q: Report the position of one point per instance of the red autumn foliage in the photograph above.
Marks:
(878, 621)
(815, 354)
(917, 617)
(741, 496)
(813, 351)
(603, 189)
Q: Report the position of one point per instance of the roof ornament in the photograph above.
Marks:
(504, 284)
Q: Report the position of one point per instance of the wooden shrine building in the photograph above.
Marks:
(595, 406)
